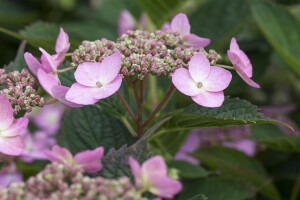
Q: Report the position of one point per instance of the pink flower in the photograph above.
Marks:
(49, 63)
(241, 63)
(35, 144)
(152, 176)
(126, 22)
(48, 118)
(10, 129)
(53, 87)
(88, 160)
(180, 24)
(204, 83)
(10, 174)
(96, 81)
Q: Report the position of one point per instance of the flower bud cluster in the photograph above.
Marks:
(20, 88)
(56, 182)
(143, 52)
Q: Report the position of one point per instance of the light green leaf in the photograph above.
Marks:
(237, 166)
(280, 28)
(189, 171)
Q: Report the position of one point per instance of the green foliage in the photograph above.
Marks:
(280, 28)
(237, 166)
(220, 20)
(90, 127)
(19, 63)
(198, 197)
(272, 137)
(189, 171)
(215, 188)
(161, 11)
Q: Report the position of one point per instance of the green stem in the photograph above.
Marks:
(68, 54)
(129, 127)
(226, 67)
(140, 128)
(124, 102)
(65, 69)
(160, 105)
(153, 91)
(11, 33)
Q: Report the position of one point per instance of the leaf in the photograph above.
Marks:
(216, 15)
(189, 171)
(237, 166)
(161, 11)
(90, 127)
(216, 188)
(115, 162)
(280, 28)
(199, 197)
(273, 138)
(234, 111)
(19, 62)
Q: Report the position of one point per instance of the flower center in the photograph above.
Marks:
(98, 84)
(199, 85)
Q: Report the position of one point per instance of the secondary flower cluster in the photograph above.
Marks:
(65, 179)
(20, 88)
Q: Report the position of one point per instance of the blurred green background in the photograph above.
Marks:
(269, 32)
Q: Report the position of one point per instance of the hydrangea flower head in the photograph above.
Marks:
(88, 160)
(10, 129)
(180, 24)
(241, 63)
(152, 176)
(9, 174)
(204, 83)
(96, 81)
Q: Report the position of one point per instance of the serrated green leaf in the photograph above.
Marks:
(161, 11)
(272, 137)
(216, 15)
(215, 188)
(115, 162)
(234, 111)
(90, 127)
(280, 28)
(199, 197)
(237, 166)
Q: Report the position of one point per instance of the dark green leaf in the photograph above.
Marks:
(199, 197)
(215, 188)
(272, 137)
(280, 28)
(220, 20)
(236, 165)
(161, 11)
(90, 127)
(115, 162)
(189, 171)
(19, 63)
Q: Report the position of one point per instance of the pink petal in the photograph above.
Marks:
(59, 154)
(126, 22)
(239, 59)
(241, 69)
(217, 80)
(62, 42)
(85, 73)
(193, 40)
(166, 27)
(6, 113)
(84, 95)
(165, 186)
(90, 159)
(109, 89)
(180, 24)
(136, 171)
(59, 92)
(154, 166)
(209, 99)
(17, 128)
(183, 81)
(48, 62)
(199, 67)
(32, 63)
(47, 81)
(109, 68)
(11, 145)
